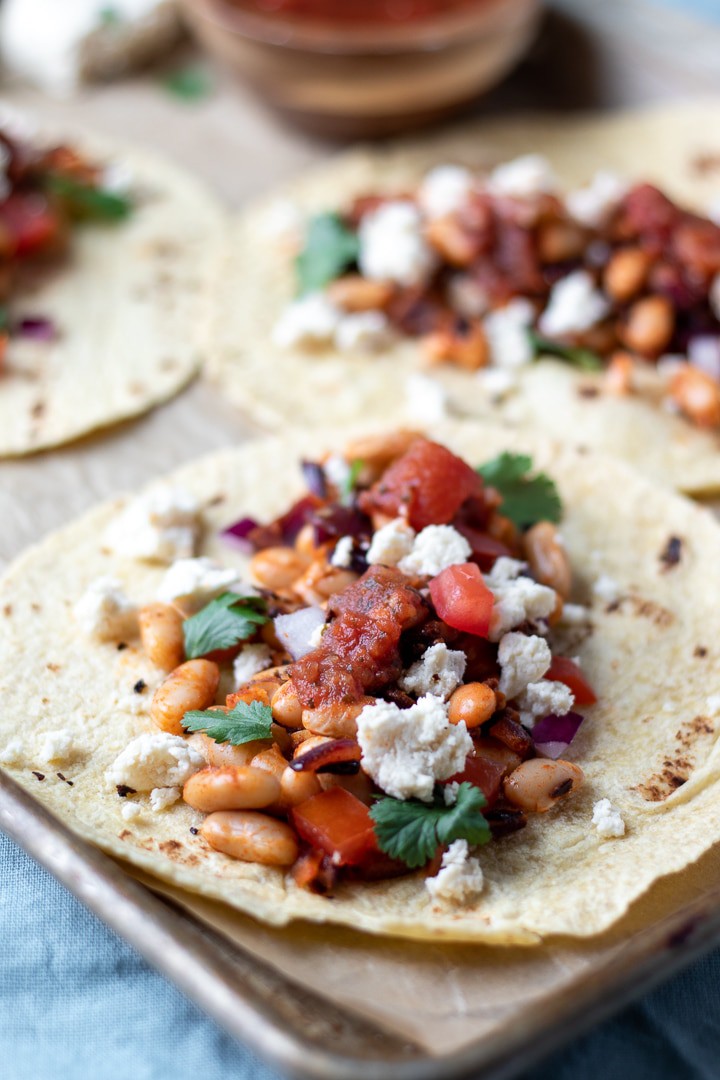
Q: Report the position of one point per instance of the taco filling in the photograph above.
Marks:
(491, 272)
(396, 702)
(44, 193)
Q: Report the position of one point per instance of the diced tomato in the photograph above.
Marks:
(462, 599)
(484, 773)
(428, 484)
(485, 548)
(565, 670)
(338, 824)
(30, 221)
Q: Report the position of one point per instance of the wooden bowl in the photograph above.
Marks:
(349, 80)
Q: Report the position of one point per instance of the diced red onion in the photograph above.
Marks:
(238, 533)
(295, 630)
(37, 327)
(334, 521)
(553, 734)
(315, 478)
(704, 353)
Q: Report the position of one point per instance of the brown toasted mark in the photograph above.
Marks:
(646, 609)
(588, 391)
(168, 364)
(7, 610)
(705, 163)
(136, 388)
(36, 607)
(124, 834)
(671, 554)
(38, 410)
(170, 846)
(677, 766)
(700, 652)
(52, 667)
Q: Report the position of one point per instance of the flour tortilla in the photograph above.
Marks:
(255, 281)
(127, 301)
(653, 657)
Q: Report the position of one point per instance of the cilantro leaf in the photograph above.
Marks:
(526, 499)
(245, 722)
(411, 831)
(585, 359)
(87, 201)
(223, 623)
(347, 489)
(330, 248)
(190, 83)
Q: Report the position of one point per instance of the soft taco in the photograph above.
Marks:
(104, 251)
(402, 691)
(577, 289)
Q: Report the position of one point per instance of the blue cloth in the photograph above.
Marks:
(76, 1003)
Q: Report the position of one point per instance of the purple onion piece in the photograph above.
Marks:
(295, 630)
(238, 534)
(297, 516)
(334, 521)
(315, 478)
(37, 327)
(704, 354)
(553, 734)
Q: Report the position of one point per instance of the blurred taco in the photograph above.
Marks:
(400, 690)
(104, 251)
(577, 289)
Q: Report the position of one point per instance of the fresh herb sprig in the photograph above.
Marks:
(526, 499)
(223, 623)
(579, 357)
(411, 831)
(330, 248)
(87, 201)
(246, 722)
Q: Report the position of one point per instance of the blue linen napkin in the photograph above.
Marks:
(77, 1003)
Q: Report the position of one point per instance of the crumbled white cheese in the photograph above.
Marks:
(498, 382)
(160, 526)
(192, 583)
(162, 797)
(392, 245)
(574, 305)
(343, 553)
(391, 543)
(425, 399)
(438, 672)
(543, 698)
(606, 588)
(524, 176)
(251, 660)
(574, 615)
(406, 751)
(460, 878)
(607, 819)
(118, 177)
(12, 753)
(104, 611)
(337, 470)
(467, 296)
(311, 320)
(445, 190)
(131, 811)
(714, 296)
(518, 599)
(435, 548)
(523, 659)
(364, 331)
(316, 636)
(507, 333)
(154, 760)
(450, 792)
(58, 746)
(713, 703)
(593, 205)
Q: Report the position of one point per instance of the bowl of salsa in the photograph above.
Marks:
(349, 68)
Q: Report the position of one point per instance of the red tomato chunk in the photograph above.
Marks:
(462, 599)
(335, 822)
(484, 773)
(428, 484)
(566, 671)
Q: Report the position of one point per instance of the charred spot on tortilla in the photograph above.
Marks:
(193, 830)
(124, 834)
(140, 686)
(7, 610)
(70, 783)
(123, 790)
(38, 775)
(671, 554)
(700, 652)
(706, 163)
(588, 391)
(121, 646)
(53, 667)
(38, 410)
(170, 847)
